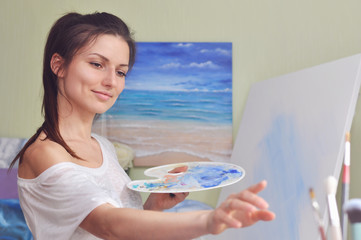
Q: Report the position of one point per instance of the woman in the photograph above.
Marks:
(70, 185)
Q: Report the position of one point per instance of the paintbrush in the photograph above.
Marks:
(316, 210)
(331, 187)
(353, 210)
(345, 184)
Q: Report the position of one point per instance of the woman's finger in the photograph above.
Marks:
(238, 205)
(256, 188)
(179, 169)
(263, 215)
(222, 220)
(253, 199)
(179, 196)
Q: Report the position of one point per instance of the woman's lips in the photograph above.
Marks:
(102, 95)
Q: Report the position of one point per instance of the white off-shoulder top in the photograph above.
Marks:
(57, 201)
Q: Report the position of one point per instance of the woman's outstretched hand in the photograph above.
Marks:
(240, 210)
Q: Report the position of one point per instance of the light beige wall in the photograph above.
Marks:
(269, 38)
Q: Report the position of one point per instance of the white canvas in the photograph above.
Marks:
(292, 134)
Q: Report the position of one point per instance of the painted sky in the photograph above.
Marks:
(182, 67)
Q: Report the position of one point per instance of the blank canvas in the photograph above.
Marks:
(292, 134)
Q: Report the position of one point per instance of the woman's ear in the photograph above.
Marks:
(56, 64)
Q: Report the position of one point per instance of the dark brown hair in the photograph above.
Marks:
(69, 34)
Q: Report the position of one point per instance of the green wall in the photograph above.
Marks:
(270, 38)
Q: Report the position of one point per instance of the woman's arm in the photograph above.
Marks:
(110, 223)
(238, 210)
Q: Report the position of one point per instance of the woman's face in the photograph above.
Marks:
(95, 76)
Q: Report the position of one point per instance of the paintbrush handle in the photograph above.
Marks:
(335, 228)
(335, 232)
(356, 231)
(322, 233)
(345, 185)
(344, 217)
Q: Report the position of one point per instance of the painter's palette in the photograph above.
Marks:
(199, 176)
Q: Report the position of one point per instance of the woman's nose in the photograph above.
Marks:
(110, 78)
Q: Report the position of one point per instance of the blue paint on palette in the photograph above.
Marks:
(212, 176)
(199, 176)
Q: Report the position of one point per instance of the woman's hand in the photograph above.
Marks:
(161, 201)
(240, 210)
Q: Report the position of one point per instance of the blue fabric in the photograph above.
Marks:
(12, 221)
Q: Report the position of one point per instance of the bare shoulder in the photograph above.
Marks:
(41, 155)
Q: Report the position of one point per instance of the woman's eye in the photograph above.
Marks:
(95, 64)
(121, 74)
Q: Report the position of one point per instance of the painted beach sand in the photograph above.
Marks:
(159, 142)
(176, 106)
(199, 176)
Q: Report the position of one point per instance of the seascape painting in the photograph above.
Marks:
(176, 106)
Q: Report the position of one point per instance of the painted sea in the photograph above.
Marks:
(177, 104)
(191, 106)
(179, 125)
